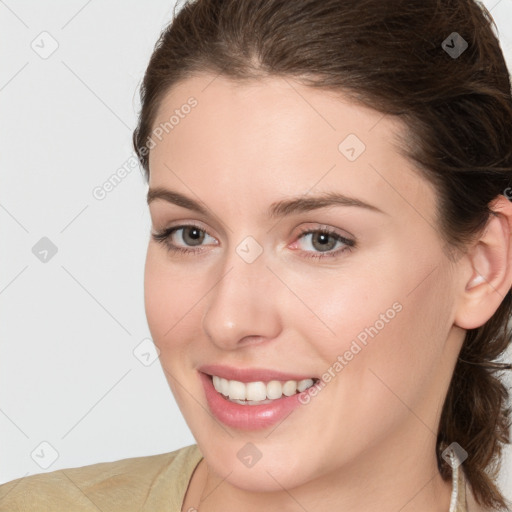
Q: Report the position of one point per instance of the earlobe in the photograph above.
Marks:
(490, 257)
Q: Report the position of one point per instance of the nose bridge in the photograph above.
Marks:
(241, 304)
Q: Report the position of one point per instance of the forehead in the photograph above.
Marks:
(280, 111)
(275, 134)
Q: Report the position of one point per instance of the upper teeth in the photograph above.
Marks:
(255, 391)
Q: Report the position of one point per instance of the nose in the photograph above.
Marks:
(243, 306)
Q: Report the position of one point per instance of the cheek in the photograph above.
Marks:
(383, 359)
(345, 306)
(393, 322)
(171, 294)
(172, 303)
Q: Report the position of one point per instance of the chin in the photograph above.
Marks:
(262, 477)
(271, 472)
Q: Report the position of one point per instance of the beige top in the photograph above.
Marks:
(154, 483)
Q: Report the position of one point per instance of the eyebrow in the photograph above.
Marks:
(277, 209)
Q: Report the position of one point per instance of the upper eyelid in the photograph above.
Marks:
(324, 227)
(172, 229)
(190, 225)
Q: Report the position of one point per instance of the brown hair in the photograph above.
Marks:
(388, 55)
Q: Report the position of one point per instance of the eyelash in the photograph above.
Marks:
(163, 238)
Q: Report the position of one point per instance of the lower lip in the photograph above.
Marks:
(248, 417)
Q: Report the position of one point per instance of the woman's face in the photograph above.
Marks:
(367, 309)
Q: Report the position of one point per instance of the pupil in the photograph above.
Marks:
(194, 235)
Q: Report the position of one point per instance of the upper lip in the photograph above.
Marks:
(250, 374)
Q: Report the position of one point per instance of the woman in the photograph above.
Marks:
(329, 270)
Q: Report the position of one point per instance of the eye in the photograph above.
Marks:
(190, 234)
(324, 240)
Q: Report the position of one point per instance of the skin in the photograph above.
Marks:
(369, 435)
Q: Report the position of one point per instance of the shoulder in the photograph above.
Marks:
(125, 483)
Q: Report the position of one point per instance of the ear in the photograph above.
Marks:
(488, 277)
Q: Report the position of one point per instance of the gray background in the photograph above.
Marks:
(76, 383)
